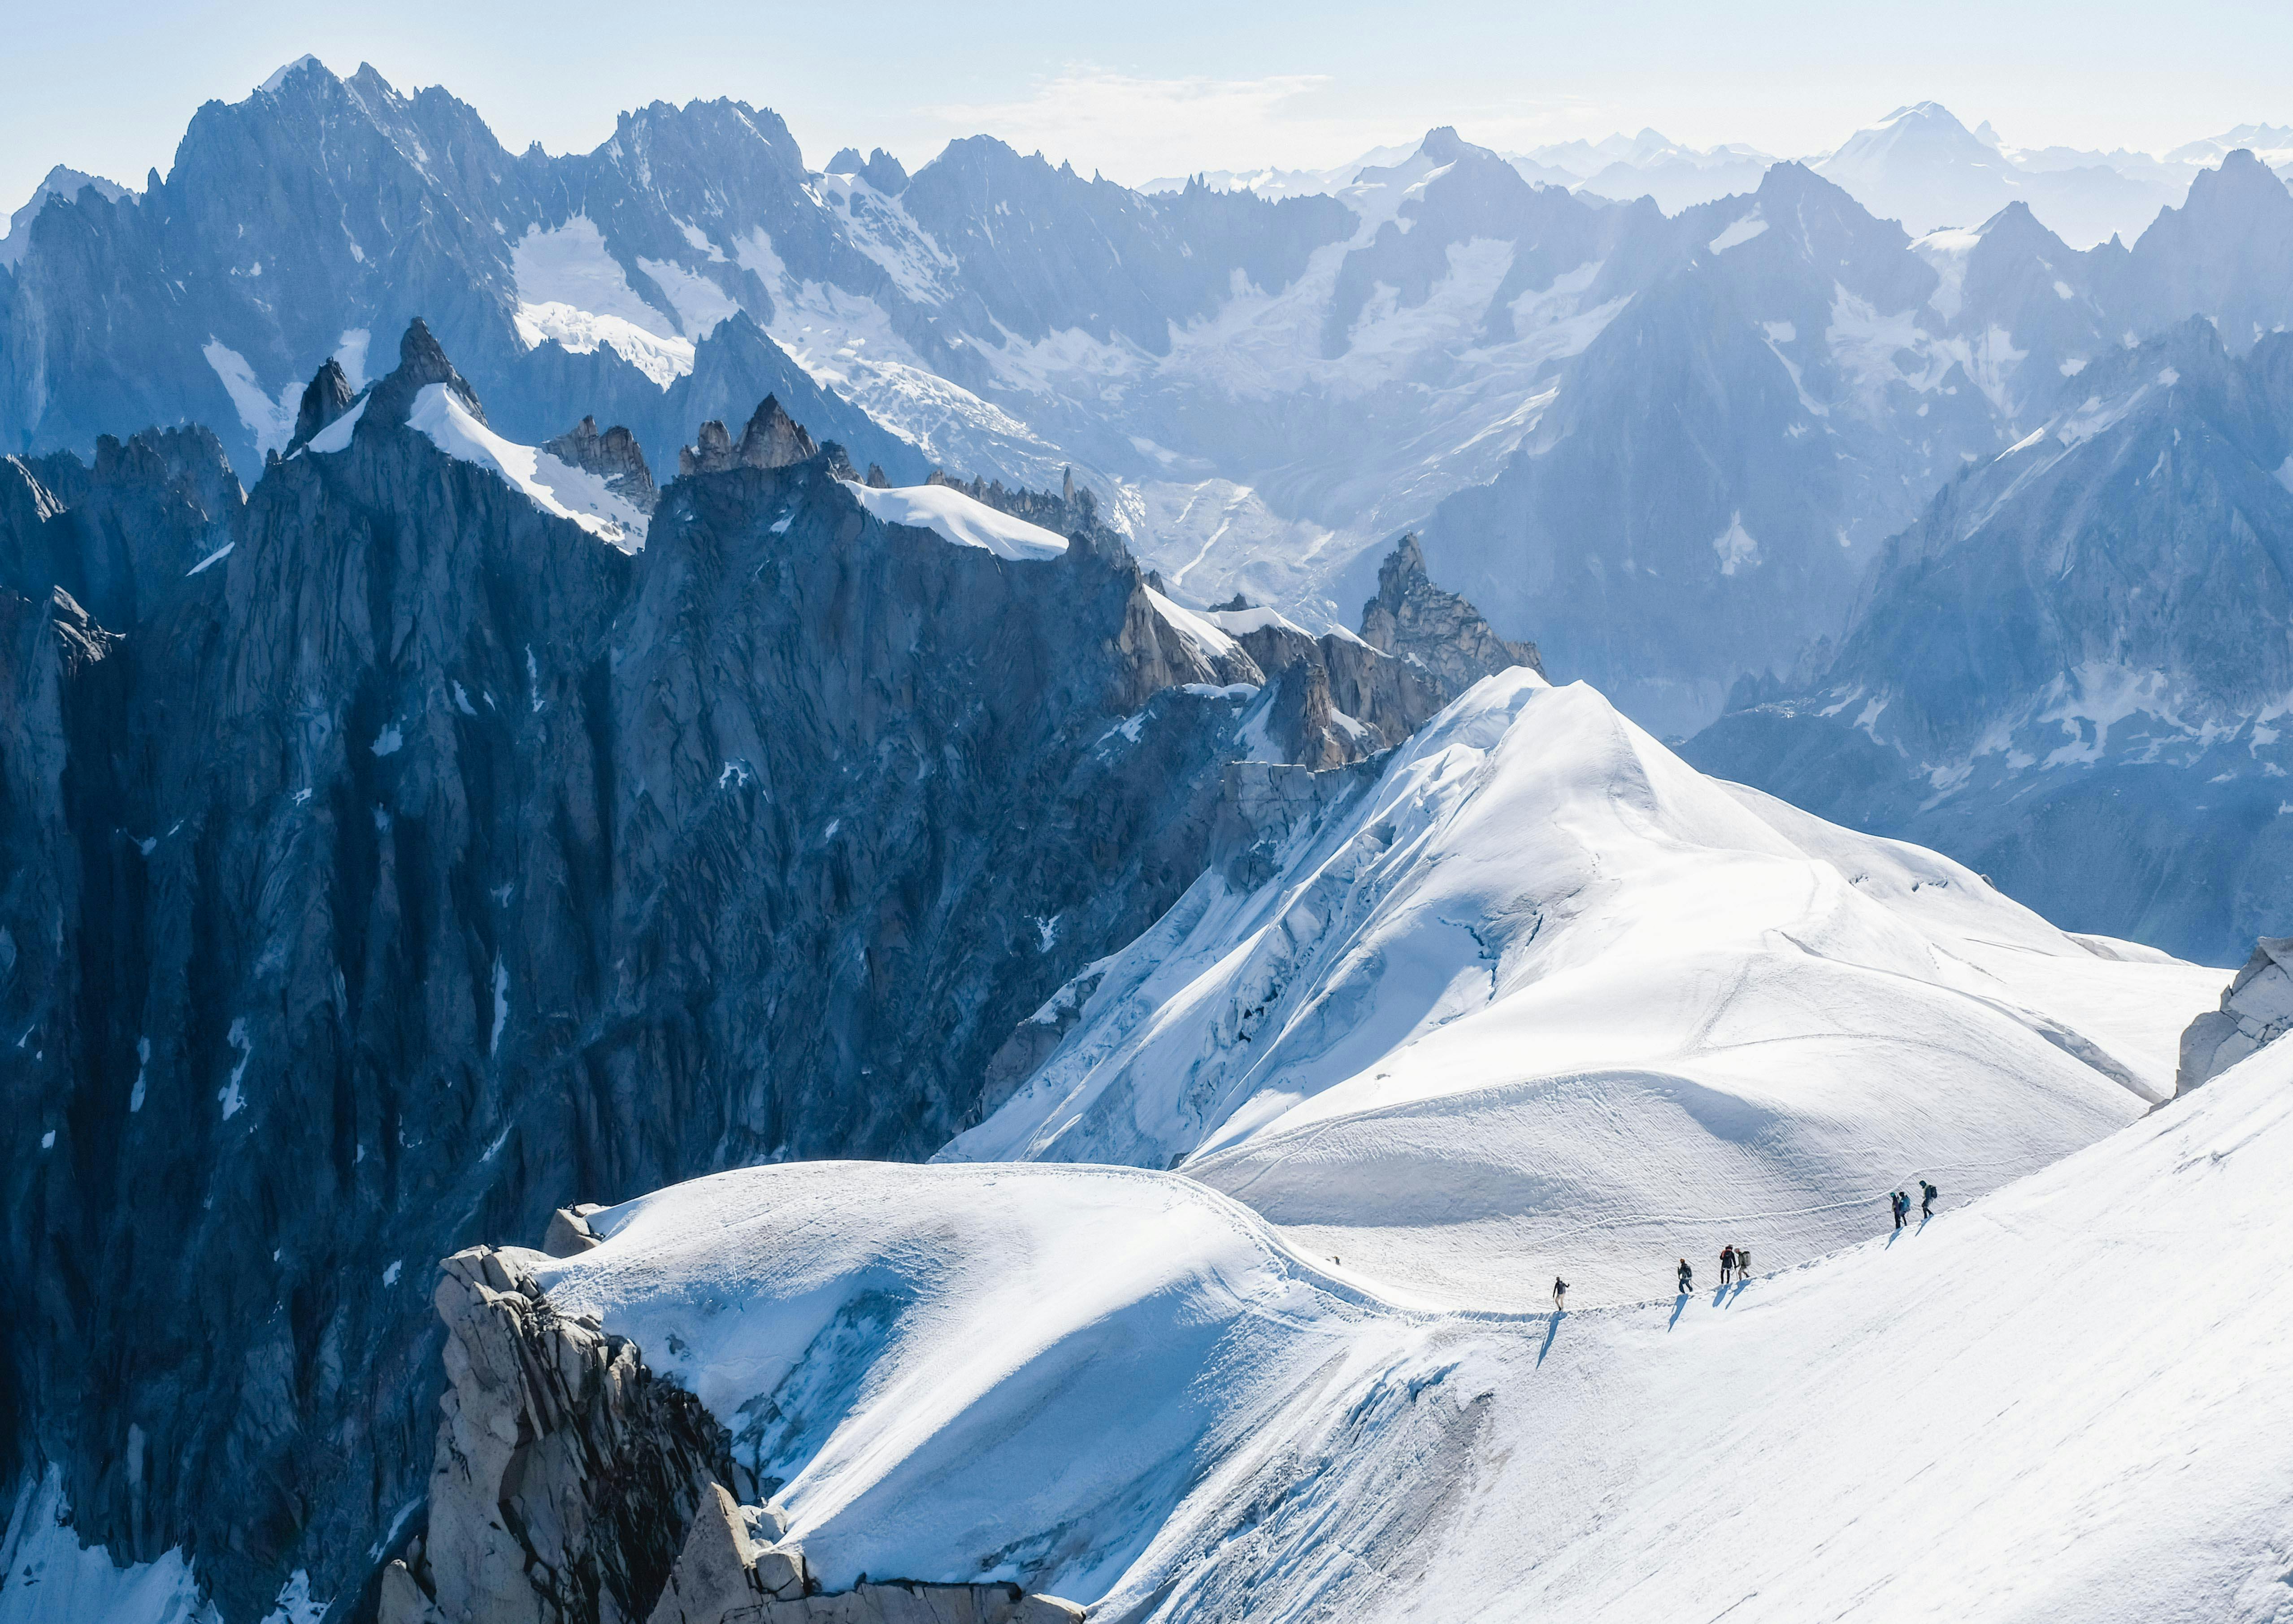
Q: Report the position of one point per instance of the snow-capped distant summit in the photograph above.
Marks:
(272, 85)
(1921, 166)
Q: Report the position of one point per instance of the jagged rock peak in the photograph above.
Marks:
(773, 440)
(613, 456)
(422, 361)
(885, 172)
(1233, 606)
(2256, 1009)
(1413, 619)
(876, 477)
(326, 398)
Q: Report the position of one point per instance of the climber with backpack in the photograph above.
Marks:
(1559, 1291)
(1727, 1265)
(1927, 1194)
(1686, 1277)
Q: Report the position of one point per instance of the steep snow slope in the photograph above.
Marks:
(960, 519)
(1544, 998)
(554, 486)
(1120, 1387)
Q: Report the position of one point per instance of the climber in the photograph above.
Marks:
(1927, 1194)
(1686, 1277)
(1901, 1202)
(1727, 1265)
(1559, 1291)
(1743, 1265)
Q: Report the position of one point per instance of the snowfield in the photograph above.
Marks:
(1544, 1000)
(2068, 1400)
(552, 485)
(963, 520)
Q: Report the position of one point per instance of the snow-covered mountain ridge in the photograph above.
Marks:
(1542, 996)
(1121, 1387)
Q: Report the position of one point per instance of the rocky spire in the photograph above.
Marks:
(773, 440)
(1412, 618)
(421, 363)
(614, 456)
(328, 395)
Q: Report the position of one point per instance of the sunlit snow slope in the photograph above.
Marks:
(1544, 1000)
(2068, 1400)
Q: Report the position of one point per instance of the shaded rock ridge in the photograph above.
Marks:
(573, 1485)
(2257, 1009)
(391, 862)
(614, 456)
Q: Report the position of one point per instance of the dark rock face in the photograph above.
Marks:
(328, 396)
(420, 864)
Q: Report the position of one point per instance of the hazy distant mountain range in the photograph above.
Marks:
(1919, 166)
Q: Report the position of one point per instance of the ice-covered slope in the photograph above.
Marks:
(1122, 1388)
(1545, 998)
(960, 519)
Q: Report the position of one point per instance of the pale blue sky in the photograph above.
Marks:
(1140, 90)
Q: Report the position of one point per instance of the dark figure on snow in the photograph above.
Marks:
(1927, 1194)
(1687, 1277)
(1559, 1291)
(1743, 1265)
(1727, 1263)
(1902, 1205)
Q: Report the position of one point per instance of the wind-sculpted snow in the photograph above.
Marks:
(958, 518)
(552, 485)
(1008, 1373)
(1545, 999)
(1120, 1387)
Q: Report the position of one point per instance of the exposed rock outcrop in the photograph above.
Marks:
(422, 361)
(772, 440)
(614, 456)
(2256, 1009)
(325, 398)
(1067, 512)
(570, 1485)
(1415, 621)
(566, 1474)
